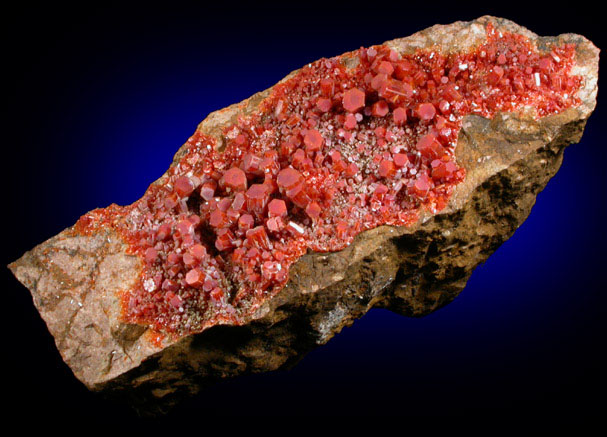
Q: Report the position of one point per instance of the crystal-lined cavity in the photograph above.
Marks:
(329, 153)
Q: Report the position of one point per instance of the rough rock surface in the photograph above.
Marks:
(75, 279)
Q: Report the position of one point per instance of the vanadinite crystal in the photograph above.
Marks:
(332, 151)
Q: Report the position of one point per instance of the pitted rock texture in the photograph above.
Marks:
(76, 280)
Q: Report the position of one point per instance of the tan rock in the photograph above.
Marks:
(75, 280)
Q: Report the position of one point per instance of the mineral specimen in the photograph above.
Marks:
(381, 177)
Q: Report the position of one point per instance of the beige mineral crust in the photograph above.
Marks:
(75, 280)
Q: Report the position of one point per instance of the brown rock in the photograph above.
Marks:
(75, 280)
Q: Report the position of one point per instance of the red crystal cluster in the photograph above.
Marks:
(331, 152)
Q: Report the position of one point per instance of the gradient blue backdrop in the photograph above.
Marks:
(99, 101)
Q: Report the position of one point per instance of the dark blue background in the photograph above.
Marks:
(100, 99)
